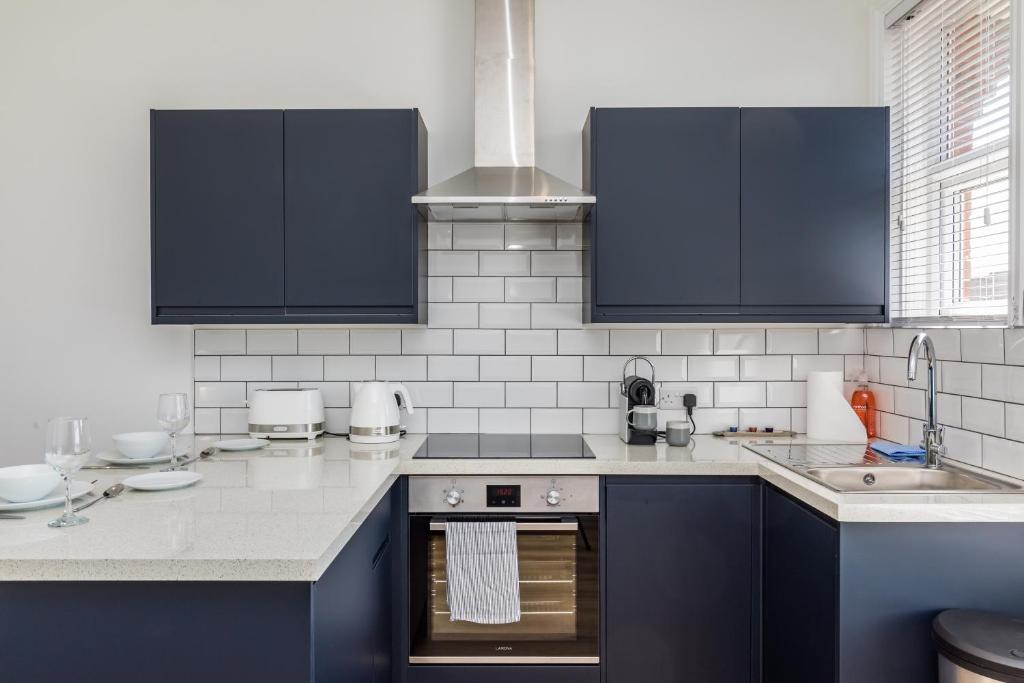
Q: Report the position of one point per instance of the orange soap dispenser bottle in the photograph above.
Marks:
(863, 402)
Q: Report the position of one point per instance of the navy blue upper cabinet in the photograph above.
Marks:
(297, 216)
(217, 205)
(664, 236)
(815, 213)
(736, 214)
(351, 240)
(681, 580)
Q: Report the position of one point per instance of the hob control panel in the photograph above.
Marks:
(492, 494)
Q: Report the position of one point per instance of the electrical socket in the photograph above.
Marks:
(673, 400)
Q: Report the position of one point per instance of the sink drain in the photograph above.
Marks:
(869, 479)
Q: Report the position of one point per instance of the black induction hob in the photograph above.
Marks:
(490, 446)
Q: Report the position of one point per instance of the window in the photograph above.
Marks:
(948, 83)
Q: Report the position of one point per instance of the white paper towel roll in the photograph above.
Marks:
(830, 417)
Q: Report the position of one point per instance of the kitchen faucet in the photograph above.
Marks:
(933, 433)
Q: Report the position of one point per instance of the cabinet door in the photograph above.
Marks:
(665, 230)
(801, 552)
(382, 587)
(351, 239)
(815, 210)
(217, 202)
(680, 582)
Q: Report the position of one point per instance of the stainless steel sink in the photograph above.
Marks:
(905, 479)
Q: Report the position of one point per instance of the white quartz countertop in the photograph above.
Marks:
(285, 512)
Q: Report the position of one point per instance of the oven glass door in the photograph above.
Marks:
(558, 590)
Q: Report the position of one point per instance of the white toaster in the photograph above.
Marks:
(286, 414)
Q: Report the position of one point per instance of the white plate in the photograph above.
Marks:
(162, 481)
(240, 444)
(55, 497)
(115, 458)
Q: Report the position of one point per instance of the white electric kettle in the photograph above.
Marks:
(375, 417)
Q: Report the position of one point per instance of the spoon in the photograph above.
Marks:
(203, 454)
(12, 516)
(110, 492)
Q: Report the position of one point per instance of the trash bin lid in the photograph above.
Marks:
(988, 643)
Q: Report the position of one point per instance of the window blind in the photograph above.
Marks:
(948, 85)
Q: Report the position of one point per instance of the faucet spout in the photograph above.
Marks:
(933, 433)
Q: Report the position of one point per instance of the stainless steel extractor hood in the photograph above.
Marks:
(504, 184)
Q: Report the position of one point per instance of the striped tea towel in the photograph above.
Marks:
(483, 572)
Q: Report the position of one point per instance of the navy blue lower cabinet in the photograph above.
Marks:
(681, 579)
(800, 592)
(525, 673)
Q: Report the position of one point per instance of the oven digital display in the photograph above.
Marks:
(503, 496)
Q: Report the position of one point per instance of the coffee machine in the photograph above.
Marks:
(636, 391)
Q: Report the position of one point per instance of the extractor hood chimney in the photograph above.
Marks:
(504, 184)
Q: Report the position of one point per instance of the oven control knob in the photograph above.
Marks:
(553, 497)
(453, 497)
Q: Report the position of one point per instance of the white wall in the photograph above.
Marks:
(78, 79)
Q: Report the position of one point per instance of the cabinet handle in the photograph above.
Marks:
(379, 555)
(525, 526)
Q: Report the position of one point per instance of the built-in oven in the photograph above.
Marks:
(559, 570)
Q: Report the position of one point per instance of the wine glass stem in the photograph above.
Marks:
(174, 451)
(67, 497)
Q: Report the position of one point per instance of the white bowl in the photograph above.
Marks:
(25, 483)
(140, 444)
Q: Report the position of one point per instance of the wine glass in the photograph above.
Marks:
(172, 414)
(67, 448)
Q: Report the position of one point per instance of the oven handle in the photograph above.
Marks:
(573, 525)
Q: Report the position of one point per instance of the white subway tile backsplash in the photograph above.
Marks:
(236, 421)
(430, 394)
(1014, 421)
(635, 342)
(299, 368)
(601, 420)
(569, 236)
(480, 342)
(885, 397)
(439, 289)
(453, 368)
(582, 395)
(478, 236)
(792, 341)
(607, 368)
(505, 368)
(375, 342)
(946, 341)
(569, 289)
(530, 289)
(504, 316)
(669, 368)
(252, 387)
(557, 263)
(843, 341)
(453, 315)
(220, 394)
(1013, 346)
(894, 427)
(979, 415)
(583, 342)
(909, 402)
(954, 378)
(778, 418)
(453, 420)
(761, 368)
(452, 263)
(219, 342)
(558, 369)
(206, 420)
(555, 316)
(715, 419)
(336, 394)
(734, 342)
(245, 369)
(947, 408)
(878, 342)
(473, 289)
(531, 342)
(799, 420)
(338, 420)
(1006, 457)
(206, 368)
(962, 446)
(402, 368)
(715, 368)
(271, 342)
(510, 263)
(739, 394)
(704, 391)
(893, 371)
(479, 394)
(504, 421)
(982, 345)
(804, 364)
(529, 236)
(1003, 383)
(787, 394)
(688, 342)
(531, 394)
(439, 235)
(556, 420)
(323, 342)
(348, 368)
(427, 342)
